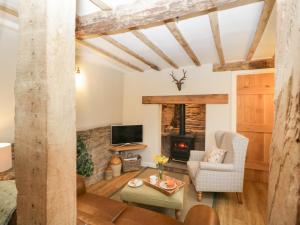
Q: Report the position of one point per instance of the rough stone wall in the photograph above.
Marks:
(98, 144)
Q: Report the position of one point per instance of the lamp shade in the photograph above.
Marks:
(5, 156)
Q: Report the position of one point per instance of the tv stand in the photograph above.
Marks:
(128, 147)
(125, 144)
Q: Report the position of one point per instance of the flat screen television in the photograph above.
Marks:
(125, 134)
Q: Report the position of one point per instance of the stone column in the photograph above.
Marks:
(45, 133)
(284, 181)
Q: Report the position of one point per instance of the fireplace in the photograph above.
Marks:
(183, 130)
(181, 146)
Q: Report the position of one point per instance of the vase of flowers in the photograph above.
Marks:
(160, 160)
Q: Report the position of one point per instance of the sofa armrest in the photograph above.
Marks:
(216, 166)
(202, 215)
(196, 155)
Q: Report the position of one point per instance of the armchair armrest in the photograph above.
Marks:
(202, 215)
(216, 166)
(196, 155)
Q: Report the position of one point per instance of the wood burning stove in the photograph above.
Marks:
(181, 144)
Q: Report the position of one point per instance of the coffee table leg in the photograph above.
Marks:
(177, 214)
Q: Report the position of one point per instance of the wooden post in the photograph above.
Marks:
(284, 181)
(45, 133)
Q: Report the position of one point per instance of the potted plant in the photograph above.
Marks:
(85, 165)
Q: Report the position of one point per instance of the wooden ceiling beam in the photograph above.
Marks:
(263, 21)
(214, 24)
(102, 5)
(136, 15)
(109, 55)
(252, 65)
(153, 47)
(9, 10)
(182, 41)
(129, 51)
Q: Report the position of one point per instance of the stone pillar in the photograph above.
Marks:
(45, 133)
(284, 180)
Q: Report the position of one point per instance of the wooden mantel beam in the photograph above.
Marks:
(151, 13)
(252, 65)
(187, 99)
(181, 40)
(263, 21)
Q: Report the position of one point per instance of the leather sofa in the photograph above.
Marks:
(96, 210)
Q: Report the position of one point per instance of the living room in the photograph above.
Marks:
(169, 80)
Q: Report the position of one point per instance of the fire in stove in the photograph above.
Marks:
(181, 145)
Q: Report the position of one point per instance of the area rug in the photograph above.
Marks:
(190, 199)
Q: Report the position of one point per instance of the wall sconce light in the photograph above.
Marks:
(5, 157)
(79, 78)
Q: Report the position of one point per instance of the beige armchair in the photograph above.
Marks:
(220, 177)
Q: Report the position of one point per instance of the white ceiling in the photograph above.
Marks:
(237, 29)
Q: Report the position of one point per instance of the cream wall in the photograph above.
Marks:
(201, 80)
(8, 53)
(99, 97)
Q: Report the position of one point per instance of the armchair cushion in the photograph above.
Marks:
(215, 155)
(216, 166)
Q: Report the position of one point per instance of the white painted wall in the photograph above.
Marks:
(201, 80)
(8, 53)
(99, 98)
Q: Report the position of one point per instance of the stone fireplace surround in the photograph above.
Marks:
(194, 125)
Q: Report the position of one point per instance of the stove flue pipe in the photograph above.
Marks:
(182, 119)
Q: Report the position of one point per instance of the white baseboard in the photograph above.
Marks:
(149, 164)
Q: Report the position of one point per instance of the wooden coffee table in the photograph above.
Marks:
(148, 196)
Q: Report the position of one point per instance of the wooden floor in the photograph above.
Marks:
(251, 212)
(108, 188)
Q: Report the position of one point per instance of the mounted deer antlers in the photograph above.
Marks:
(179, 82)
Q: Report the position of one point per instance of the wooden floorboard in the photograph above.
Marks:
(251, 212)
(108, 188)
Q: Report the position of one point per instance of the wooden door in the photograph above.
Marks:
(255, 113)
